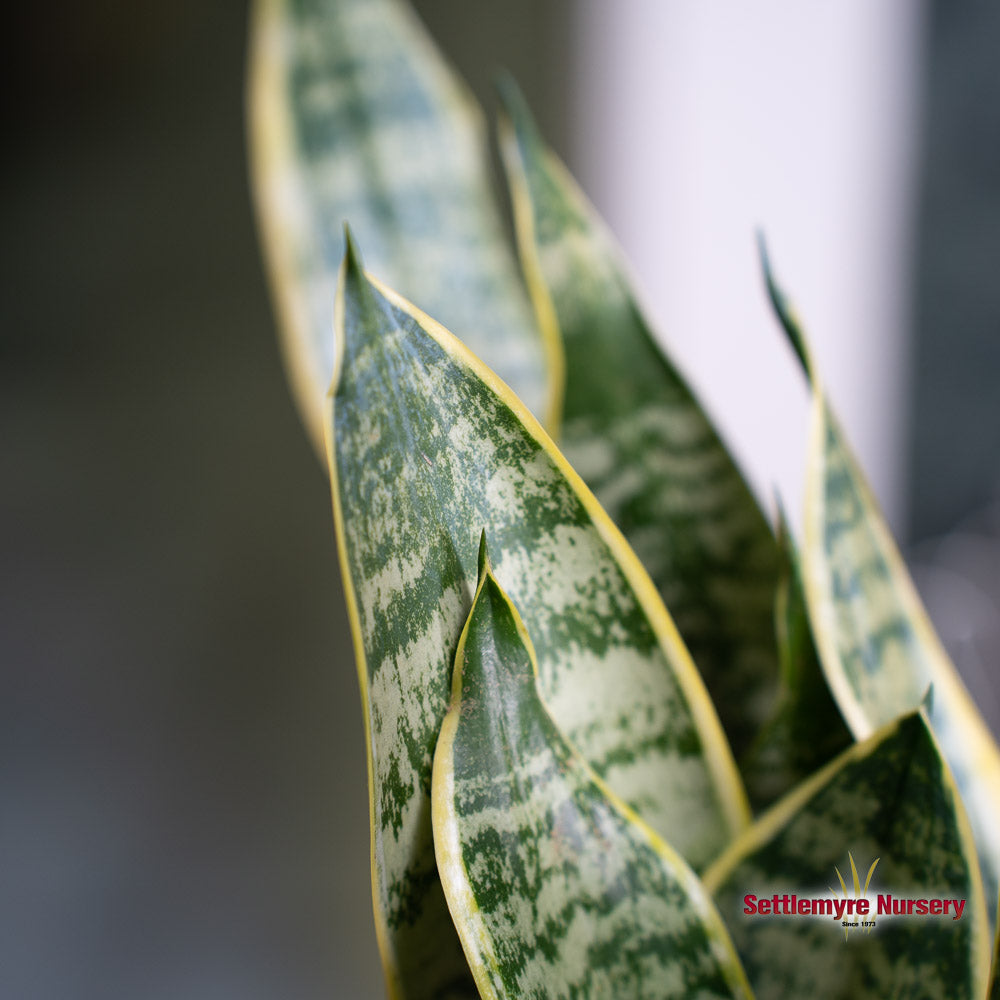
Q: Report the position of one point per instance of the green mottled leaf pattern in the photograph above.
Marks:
(429, 447)
(355, 117)
(636, 434)
(557, 891)
(807, 729)
(879, 651)
(890, 798)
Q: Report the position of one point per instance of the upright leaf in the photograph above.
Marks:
(879, 651)
(428, 447)
(807, 729)
(636, 434)
(557, 889)
(890, 798)
(355, 117)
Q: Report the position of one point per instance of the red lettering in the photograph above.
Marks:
(749, 904)
(936, 908)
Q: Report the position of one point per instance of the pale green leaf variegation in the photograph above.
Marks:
(427, 448)
(807, 729)
(879, 651)
(638, 437)
(354, 116)
(557, 889)
(890, 799)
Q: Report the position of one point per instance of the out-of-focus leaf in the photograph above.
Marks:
(636, 434)
(354, 116)
(890, 798)
(427, 448)
(807, 729)
(557, 889)
(880, 653)
(994, 992)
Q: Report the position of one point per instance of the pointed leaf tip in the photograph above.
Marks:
(515, 106)
(765, 264)
(927, 702)
(783, 309)
(506, 86)
(782, 525)
(352, 255)
(354, 278)
(484, 558)
(765, 258)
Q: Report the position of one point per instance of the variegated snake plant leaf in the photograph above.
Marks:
(879, 651)
(355, 116)
(427, 446)
(637, 435)
(557, 888)
(892, 799)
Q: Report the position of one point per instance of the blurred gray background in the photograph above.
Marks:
(183, 808)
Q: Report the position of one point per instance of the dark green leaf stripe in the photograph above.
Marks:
(890, 798)
(355, 117)
(638, 437)
(807, 729)
(879, 651)
(428, 448)
(556, 888)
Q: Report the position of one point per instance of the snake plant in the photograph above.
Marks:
(623, 732)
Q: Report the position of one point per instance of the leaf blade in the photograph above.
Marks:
(354, 116)
(427, 446)
(879, 651)
(591, 904)
(890, 797)
(642, 442)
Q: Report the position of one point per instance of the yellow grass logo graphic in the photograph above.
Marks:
(859, 893)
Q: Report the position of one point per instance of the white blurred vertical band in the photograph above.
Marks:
(696, 123)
